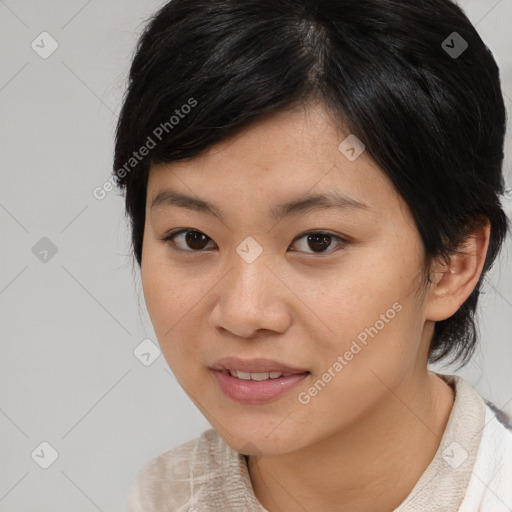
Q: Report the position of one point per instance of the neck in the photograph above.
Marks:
(370, 466)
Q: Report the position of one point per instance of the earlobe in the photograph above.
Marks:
(453, 281)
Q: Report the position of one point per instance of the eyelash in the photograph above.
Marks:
(168, 238)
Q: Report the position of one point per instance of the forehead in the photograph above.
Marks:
(283, 156)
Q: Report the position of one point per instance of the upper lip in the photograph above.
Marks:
(259, 365)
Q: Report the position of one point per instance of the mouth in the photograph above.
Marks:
(255, 381)
(258, 367)
(259, 376)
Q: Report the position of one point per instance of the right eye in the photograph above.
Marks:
(193, 239)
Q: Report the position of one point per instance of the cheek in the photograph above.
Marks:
(176, 297)
(170, 304)
(356, 370)
(375, 325)
(159, 289)
(167, 290)
(364, 298)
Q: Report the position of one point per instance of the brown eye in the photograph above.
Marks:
(320, 241)
(192, 239)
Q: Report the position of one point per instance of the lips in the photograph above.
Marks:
(256, 392)
(258, 365)
(255, 381)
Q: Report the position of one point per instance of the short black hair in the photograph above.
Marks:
(411, 79)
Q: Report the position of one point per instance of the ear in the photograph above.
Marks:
(453, 281)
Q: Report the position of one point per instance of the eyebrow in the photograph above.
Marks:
(330, 200)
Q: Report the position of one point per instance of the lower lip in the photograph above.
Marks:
(253, 391)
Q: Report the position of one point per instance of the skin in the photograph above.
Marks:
(364, 439)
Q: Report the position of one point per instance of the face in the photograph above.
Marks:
(329, 293)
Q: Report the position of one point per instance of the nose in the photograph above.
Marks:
(251, 297)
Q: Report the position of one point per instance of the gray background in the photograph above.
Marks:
(71, 321)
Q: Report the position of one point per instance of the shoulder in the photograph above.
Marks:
(497, 436)
(490, 485)
(497, 442)
(164, 483)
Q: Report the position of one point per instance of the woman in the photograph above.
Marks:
(313, 193)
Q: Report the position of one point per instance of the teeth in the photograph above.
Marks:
(257, 376)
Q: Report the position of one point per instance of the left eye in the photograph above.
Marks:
(195, 240)
(319, 240)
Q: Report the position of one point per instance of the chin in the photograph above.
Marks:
(256, 440)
